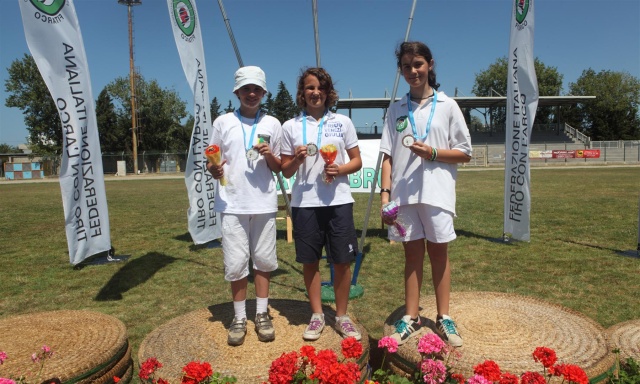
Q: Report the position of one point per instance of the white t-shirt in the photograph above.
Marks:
(251, 188)
(416, 180)
(309, 189)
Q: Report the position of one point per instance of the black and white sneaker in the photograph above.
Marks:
(406, 328)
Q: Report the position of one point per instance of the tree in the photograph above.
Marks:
(283, 106)
(613, 115)
(28, 92)
(6, 148)
(160, 112)
(113, 136)
(229, 108)
(268, 104)
(214, 109)
(493, 82)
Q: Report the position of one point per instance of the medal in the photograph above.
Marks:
(252, 154)
(312, 149)
(408, 140)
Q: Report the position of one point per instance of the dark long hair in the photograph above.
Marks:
(417, 48)
(326, 84)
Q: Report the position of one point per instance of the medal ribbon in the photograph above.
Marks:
(253, 130)
(304, 129)
(413, 123)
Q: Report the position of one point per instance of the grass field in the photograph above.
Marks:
(584, 226)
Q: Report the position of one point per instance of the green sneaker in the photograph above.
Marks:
(448, 331)
(264, 327)
(237, 331)
(406, 328)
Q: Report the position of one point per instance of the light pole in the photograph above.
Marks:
(374, 126)
(132, 84)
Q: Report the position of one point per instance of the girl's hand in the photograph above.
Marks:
(421, 149)
(331, 169)
(300, 153)
(385, 219)
(263, 149)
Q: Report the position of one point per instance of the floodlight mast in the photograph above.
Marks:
(132, 84)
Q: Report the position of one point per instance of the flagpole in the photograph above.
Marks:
(375, 175)
(316, 33)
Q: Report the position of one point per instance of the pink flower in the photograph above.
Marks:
(35, 358)
(434, 371)
(477, 379)
(3, 357)
(431, 343)
(389, 343)
(6, 381)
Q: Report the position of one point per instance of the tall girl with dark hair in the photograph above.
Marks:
(424, 138)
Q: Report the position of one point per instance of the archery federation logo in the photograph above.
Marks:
(185, 16)
(48, 7)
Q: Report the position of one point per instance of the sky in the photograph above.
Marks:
(357, 40)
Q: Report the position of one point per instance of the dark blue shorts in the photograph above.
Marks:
(329, 227)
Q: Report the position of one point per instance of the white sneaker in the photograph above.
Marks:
(315, 327)
(346, 328)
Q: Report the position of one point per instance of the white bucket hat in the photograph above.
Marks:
(250, 75)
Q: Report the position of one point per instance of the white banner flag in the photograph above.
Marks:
(53, 35)
(522, 101)
(203, 220)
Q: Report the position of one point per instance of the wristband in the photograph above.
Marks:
(385, 190)
(434, 154)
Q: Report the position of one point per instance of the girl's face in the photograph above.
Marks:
(250, 95)
(415, 70)
(314, 96)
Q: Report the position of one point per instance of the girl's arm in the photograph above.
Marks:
(291, 163)
(354, 164)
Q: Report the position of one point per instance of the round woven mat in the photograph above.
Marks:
(201, 335)
(506, 328)
(86, 344)
(626, 337)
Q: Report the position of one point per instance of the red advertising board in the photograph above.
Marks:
(588, 153)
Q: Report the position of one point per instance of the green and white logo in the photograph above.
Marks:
(522, 8)
(401, 123)
(185, 16)
(49, 7)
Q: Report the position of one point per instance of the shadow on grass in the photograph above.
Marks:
(296, 312)
(499, 240)
(132, 274)
(629, 253)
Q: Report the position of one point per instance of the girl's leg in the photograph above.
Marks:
(441, 275)
(312, 282)
(341, 287)
(413, 272)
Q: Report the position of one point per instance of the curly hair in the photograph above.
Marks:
(326, 84)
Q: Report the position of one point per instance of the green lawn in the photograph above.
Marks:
(584, 224)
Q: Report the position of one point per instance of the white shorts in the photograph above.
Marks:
(423, 221)
(248, 236)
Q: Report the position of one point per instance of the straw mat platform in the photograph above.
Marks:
(625, 336)
(506, 328)
(201, 335)
(89, 347)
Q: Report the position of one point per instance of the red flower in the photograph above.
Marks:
(458, 377)
(508, 378)
(162, 381)
(489, 370)
(148, 368)
(283, 368)
(116, 379)
(308, 351)
(546, 356)
(570, 373)
(532, 378)
(351, 348)
(196, 372)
